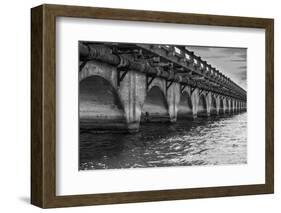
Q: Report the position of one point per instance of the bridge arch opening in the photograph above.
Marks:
(227, 110)
(155, 107)
(221, 109)
(213, 109)
(202, 107)
(235, 107)
(231, 107)
(185, 106)
(100, 107)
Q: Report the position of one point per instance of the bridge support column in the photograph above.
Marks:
(201, 103)
(173, 99)
(217, 104)
(195, 100)
(132, 91)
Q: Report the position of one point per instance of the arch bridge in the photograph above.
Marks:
(122, 85)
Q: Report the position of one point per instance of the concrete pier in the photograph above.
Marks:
(115, 97)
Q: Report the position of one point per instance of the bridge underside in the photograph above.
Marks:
(109, 103)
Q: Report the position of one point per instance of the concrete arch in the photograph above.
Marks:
(194, 99)
(173, 94)
(155, 107)
(227, 106)
(187, 90)
(100, 107)
(236, 106)
(221, 106)
(160, 83)
(95, 68)
(213, 106)
(232, 106)
(202, 109)
(185, 106)
(239, 106)
(130, 98)
(244, 106)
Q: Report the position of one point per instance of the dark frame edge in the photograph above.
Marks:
(269, 119)
(37, 190)
(43, 107)
(156, 16)
(157, 196)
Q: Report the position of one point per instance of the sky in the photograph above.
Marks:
(232, 62)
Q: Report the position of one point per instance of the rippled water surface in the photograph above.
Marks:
(203, 141)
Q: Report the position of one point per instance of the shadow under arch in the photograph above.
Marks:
(235, 107)
(155, 107)
(213, 109)
(227, 110)
(202, 107)
(185, 106)
(100, 107)
(231, 107)
(221, 109)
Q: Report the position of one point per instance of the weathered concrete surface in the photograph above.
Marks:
(173, 99)
(221, 109)
(104, 104)
(213, 105)
(132, 91)
(185, 105)
(202, 109)
(100, 107)
(155, 107)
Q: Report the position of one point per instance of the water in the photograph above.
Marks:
(203, 141)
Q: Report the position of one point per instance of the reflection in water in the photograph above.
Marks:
(203, 141)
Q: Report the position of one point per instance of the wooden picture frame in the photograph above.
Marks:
(43, 105)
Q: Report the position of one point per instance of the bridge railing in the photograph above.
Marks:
(183, 57)
(183, 69)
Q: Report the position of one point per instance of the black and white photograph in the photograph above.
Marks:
(131, 106)
(156, 105)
